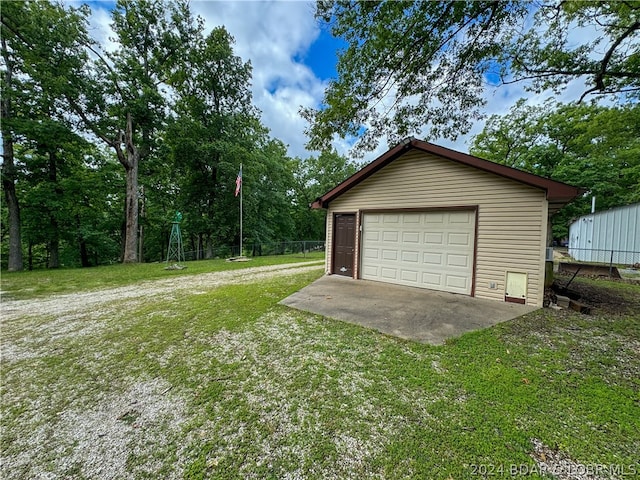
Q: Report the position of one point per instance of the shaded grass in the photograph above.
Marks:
(264, 391)
(38, 283)
(547, 376)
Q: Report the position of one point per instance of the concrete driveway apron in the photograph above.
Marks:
(417, 314)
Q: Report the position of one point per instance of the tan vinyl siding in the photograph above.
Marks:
(512, 217)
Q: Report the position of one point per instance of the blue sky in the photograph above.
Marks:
(322, 55)
(293, 59)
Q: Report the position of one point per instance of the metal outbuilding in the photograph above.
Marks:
(611, 236)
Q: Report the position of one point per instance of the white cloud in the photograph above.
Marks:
(100, 28)
(272, 34)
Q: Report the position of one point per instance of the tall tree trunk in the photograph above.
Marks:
(9, 171)
(141, 236)
(53, 244)
(82, 244)
(163, 244)
(13, 207)
(130, 160)
(209, 252)
(84, 254)
(130, 253)
(30, 255)
(123, 232)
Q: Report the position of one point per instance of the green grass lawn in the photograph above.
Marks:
(226, 383)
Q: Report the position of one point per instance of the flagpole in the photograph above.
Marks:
(241, 182)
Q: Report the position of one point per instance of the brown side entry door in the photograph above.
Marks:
(344, 244)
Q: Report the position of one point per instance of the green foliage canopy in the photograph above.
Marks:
(170, 104)
(421, 67)
(314, 177)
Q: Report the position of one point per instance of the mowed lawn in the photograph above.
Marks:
(223, 382)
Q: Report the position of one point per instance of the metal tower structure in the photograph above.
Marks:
(176, 251)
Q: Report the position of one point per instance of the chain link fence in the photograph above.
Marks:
(302, 248)
(605, 256)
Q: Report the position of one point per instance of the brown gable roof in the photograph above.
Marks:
(558, 193)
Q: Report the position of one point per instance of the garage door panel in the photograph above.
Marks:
(372, 236)
(411, 237)
(435, 238)
(464, 218)
(456, 282)
(434, 219)
(409, 219)
(371, 253)
(462, 239)
(410, 257)
(429, 258)
(389, 273)
(424, 249)
(370, 271)
(390, 236)
(410, 276)
(389, 254)
(432, 280)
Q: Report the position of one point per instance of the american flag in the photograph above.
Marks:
(239, 181)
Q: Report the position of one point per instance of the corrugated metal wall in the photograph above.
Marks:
(612, 235)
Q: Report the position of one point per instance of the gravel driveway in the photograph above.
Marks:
(72, 410)
(174, 286)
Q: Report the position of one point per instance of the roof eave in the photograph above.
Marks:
(360, 175)
(556, 192)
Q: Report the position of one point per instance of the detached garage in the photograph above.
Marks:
(426, 216)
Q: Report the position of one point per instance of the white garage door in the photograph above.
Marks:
(420, 249)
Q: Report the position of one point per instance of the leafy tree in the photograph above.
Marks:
(414, 66)
(172, 104)
(608, 55)
(268, 182)
(159, 197)
(217, 129)
(50, 153)
(93, 213)
(76, 211)
(592, 146)
(314, 177)
(8, 162)
(42, 45)
(123, 102)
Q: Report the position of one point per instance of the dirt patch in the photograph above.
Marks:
(604, 299)
(77, 424)
(32, 327)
